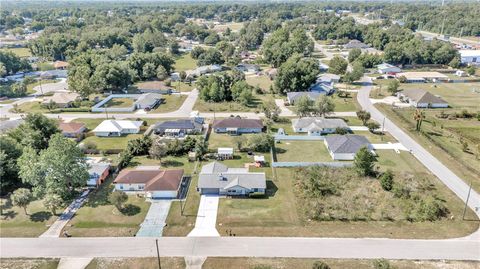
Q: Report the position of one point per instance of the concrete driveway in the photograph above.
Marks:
(206, 217)
(155, 220)
(61, 86)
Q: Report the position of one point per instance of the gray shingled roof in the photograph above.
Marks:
(422, 96)
(346, 143)
(148, 99)
(294, 96)
(217, 175)
(317, 122)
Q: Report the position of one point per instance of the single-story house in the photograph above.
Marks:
(72, 129)
(328, 78)
(60, 65)
(152, 183)
(153, 87)
(292, 97)
(345, 147)
(421, 98)
(217, 178)
(98, 173)
(470, 57)
(117, 127)
(206, 69)
(237, 125)
(148, 100)
(62, 99)
(317, 125)
(50, 74)
(225, 153)
(322, 87)
(251, 68)
(386, 68)
(460, 73)
(178, 128)
(355, 44)
(322, 66)
(420, 77)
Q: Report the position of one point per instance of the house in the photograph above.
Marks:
(420, 77)
(460, 73)
(206, 69)
(51, 74)
(422, 99)
(355, 44)
(328, 78)
(153, 183)
(345, 147)
(323, 67)
(237, 126)
(225, 153)
(153, 87)
(98, 173)
(6, 125)
(62, 99)
(217, 178)
(60, 65)
(317, 125)
(292, 97)
(148, 101)
(386, 68)
(470, 57)
(117, 127)
(72, 129)
(179, 128)
(323, 88)
(250, 68)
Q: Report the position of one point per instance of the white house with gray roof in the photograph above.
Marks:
(217, 178)
(345, 147)
(317, 125)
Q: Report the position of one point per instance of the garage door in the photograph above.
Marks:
(209, 191)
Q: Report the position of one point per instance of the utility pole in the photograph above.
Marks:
(158, 255)
(466, 201)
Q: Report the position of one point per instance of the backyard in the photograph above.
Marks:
(171, 102)
(261, 81)
(110, 143)
(119, 102)
(301, 151)
(185, 62)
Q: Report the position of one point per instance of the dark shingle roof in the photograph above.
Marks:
(236, 122)
(346, 143)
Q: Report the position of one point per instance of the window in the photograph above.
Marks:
(140, 187)
(121, 187)
(255, 189)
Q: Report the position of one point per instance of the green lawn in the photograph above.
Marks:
(20, 52)
(100, 218)
(302, 151)
(377, 138)
(32, 107)
(23, 263)
(182, 86)
(262, 81)
(169, 162)
(185, 62)
(170, 103)
(203, 106)
(136, 263)
(14, 222)
(119, 103)
(45, 66)
(346, 104)
(111, 143)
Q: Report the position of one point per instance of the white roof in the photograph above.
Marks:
(225, 151)
(260, 158)
(469, 53)
(117, 125)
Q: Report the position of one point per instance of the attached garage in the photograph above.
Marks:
(209, 191)
(162, 194)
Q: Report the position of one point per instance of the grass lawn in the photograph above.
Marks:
(20, 52)
(23, 263)
(281, 263)
(111, 143)
(442, 138)
(169, 162)
(136, 263)
(346, 104)
(171, 102)
(216, 140)
(203, 106)
(280, 214)
(7, 101)
(261, 81)
(377, 138)
(119, 102)
(45, 66)
(32, 107)
(100, 218)
(300, 151)
(14, 222)
(185, 62)
(182, 86)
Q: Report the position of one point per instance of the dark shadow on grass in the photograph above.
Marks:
(40, 216)
(130, 210)
(172, 163)
(10, 214)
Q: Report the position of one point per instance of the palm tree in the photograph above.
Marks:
(418, 116)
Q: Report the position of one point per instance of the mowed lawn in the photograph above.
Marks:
(14, 222)
(119, 102)
(345, 104)
(261, 81)
(302, 151)
(185, 62)
(111, 143)
(20, 52)
(171, 102)
(280, 214)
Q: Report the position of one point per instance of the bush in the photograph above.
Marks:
(256, 195)
(261, 142)
(381, 264)
(386, 180)
(71, 109)
(429, 209)
(320, 265)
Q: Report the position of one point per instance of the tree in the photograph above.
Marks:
(118, 198)
(372, 126)
(341, 130)
(35, 131)
(211, 56)
(161, 73)
(196, 52)
(201, 147)
(393, 86)
(386, 180)
(139, 146)
(303, 106)
(337, 65)
(22, 198)
(353, 54)
(10, 151)
(52, 202)
(364, 116)
(364, 162)
(158, 150)
(261, 142)
(471, 70)
(418, 116)
(282, 44)
(271, 110)
(323, 106)
(59, 169)
(240, 142)
(182, 75)
(3, 70)
(19, 89)
(242, 92)
(320, 265)
(296, 74)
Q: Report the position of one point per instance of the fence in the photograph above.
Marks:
(303, 164)
(299, 137)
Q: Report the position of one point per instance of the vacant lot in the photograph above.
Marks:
(20, 52)
(136, 263)
(111, 143)
(254, 106)
(15, 223)
(171, 102)
(185, 62)
(119, 102)
(346, 104)
(302, 151)
(183, 86)
(29, 263)
(261, 81)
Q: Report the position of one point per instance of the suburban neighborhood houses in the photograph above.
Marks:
(243, 135)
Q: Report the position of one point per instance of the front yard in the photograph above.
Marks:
(171, 102)
(261, 81)
(111, 143)
(119, 103)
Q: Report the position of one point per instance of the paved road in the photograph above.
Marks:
(452, 181)
(452, 39)
(459, 249)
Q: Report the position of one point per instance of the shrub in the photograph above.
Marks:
(364, 162)
(340, 130)
(320, 265)
(261, 142)
(429, 209)
(386, 180)
(381, 264)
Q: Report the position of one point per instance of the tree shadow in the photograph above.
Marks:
(10, 214)
(130, 210)
(40, 216)
(172, 163)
